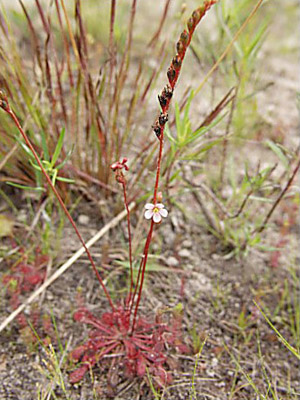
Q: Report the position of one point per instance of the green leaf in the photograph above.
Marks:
(178, 123)
(170, 137)
(37, 189)
(44, 145)
(68, 156)
(281, 338)
(62, 179)
(279, 153)
(200, 132)
(58, 147)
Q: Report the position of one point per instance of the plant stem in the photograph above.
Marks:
(129, 241)
(57, 195)
(279, 198)
(142, 270)
(165, 99)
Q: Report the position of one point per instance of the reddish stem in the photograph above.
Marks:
(142, 269)
(57, 195)
(129, 240)
(182, 45)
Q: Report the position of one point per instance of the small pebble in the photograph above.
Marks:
(83, 219)
(214, 362)
(172, 262)
(187, 244)
(185, 253)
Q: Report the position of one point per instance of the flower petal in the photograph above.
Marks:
(163, 212)
(149, 206)
(159, 205)
(156, 217)
(149, 214)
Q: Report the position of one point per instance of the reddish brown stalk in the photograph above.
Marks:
(118, 167)
(66, 45)
(6, 107)
(119, 84)
(279, 198)
(129, 241)
(159, 126)
(34, 38)
(111, 39)
(142, 275)
(155, 37)
(90, 89)
(58, 76)
(154, 72)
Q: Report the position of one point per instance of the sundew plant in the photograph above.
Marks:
(138, 345)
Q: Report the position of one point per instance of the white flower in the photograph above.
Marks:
(155, 211)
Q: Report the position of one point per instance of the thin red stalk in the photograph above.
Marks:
(119, 84)
(4, 104)
(165, 99)
(155, 37)
(66, 45)
(129, 240)
(144, 262)
(111, 39)
(34, 37)
(279, 198)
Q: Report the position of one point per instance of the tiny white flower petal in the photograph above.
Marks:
(149, 214)
(163, 212)
(159, 205)
(156, 217)
(149, 206)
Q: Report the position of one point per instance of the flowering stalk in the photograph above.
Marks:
(117, 168)
(159, 126)
(4, 104)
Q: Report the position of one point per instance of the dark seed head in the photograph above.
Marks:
(162, 100)
(167, 92)
(163, 118)
(184, 37)
(157, 129)
(171, 74)
(176, 62)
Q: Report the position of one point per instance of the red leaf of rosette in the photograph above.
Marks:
(78, 374)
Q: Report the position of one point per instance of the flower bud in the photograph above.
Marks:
(159, 197)
(171, 74)
(184, 37)
(197, 15)
(3, 100)
(191, 24)
(176, 62)
(180, 47)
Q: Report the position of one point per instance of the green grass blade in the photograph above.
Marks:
(58, 147)
(281, 338)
